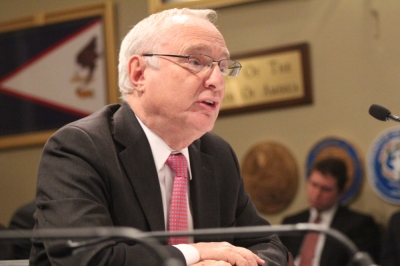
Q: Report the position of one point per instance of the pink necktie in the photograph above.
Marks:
(178, 218)
(309, 246)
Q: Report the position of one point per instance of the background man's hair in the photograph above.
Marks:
(336, 168)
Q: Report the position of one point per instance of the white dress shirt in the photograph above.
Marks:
(161, 152)
(326, 220)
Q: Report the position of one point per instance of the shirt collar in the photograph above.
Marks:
(160, 149)
(326, 216)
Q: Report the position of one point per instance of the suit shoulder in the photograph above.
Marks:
(97, 126)
(96, 120)
(23, 217)
(395, 216)
(102, 114)
(348, 212)
(345, 214)
(299, 217)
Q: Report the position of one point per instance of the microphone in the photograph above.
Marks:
(381, 113)
(99, 235)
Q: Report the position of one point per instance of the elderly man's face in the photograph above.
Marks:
(175, 94)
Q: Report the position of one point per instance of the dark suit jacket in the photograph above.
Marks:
(359, 228)
(99, 171)
(391, 246)
(5, 247)
(22, 219)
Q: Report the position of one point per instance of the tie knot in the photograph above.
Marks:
(178, 164)
(317, 219)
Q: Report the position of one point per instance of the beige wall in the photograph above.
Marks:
(355, 62)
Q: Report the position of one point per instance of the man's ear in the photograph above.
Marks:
(136, 67)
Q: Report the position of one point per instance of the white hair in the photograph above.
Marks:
(148, 36)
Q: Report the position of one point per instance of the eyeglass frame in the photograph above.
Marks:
(235, 69)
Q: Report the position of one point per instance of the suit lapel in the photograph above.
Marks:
(330, 252)
(338, 222)
(138, 162)
(203, 190)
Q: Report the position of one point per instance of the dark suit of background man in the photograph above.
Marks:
(22, 219)
(391, 246)
(109, 169)
(324, 188)
(5, 247)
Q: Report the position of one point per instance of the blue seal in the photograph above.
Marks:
(342, 149)
(384, 165)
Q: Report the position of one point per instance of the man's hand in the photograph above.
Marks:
(223, 251)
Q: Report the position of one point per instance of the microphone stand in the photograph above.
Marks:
(358, 257)
(97, 236)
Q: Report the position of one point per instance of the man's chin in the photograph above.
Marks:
(204, 124)
(319, 208)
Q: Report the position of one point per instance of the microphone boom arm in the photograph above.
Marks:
(149, 238)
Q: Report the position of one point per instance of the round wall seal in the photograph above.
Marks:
(270, 175)
(384, 165)
(342, 149)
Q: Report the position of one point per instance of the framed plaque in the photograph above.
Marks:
(55, 68)
(384, 165)
(158, 5)
(272, 78)
(270, 175)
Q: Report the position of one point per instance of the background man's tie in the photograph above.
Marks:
(178, 218)
(309, 246)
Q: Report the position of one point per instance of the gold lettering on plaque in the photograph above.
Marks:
(266, 79)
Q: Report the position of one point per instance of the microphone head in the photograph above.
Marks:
(379, 112)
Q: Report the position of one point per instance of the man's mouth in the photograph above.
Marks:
(209, 102)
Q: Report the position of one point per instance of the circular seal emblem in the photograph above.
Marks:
(341, 149)
(270, 175)
(384, 165)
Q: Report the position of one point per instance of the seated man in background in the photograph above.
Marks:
(22, 219)
(119, 166)
(325, 186)
(5, 247)
(18, 249)
(391, 245)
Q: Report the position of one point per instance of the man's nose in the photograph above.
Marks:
(215, 79)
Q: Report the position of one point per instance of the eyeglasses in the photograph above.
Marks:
(198, 62)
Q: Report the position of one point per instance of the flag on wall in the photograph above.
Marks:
(51, 75)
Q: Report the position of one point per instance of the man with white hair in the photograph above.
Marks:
(151, 162)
